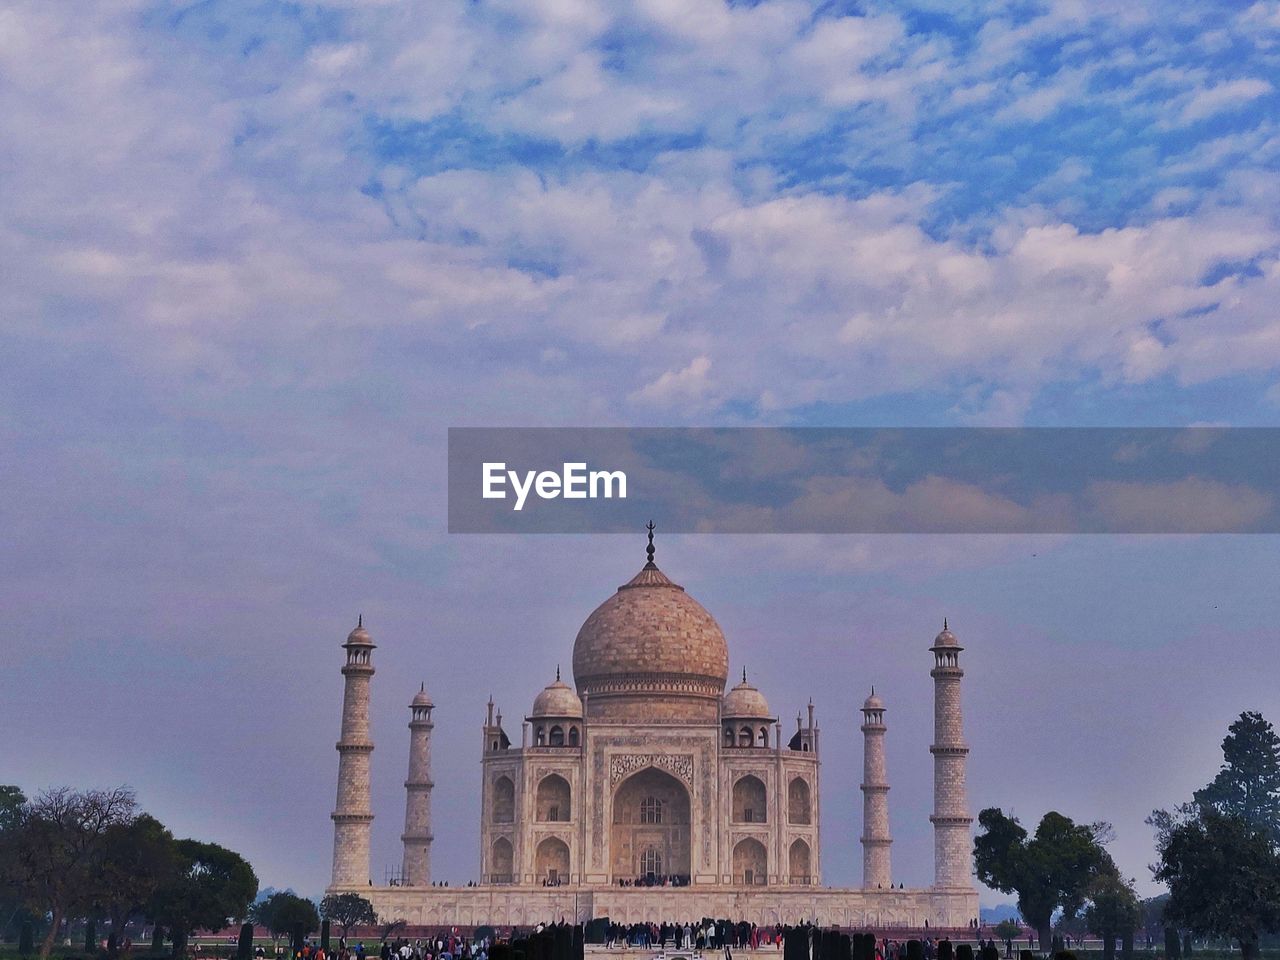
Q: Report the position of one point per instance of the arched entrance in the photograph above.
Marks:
(553, 799)
(501, 862)
(750, 863)
(799, 863)
(552, 861)
(750, 804)
(504, 800)
(650, 836)
(798, 806)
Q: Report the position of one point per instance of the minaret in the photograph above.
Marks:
(952, 848)
(353, 817)
(876, 870)
(415, 869)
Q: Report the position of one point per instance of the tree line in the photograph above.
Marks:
(92, 855)
(1219, 855)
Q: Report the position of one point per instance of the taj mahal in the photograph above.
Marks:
(647, 791)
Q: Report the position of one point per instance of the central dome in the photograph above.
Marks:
(651, 652)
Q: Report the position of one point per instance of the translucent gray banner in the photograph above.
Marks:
(864, 480)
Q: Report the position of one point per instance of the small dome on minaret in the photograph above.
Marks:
(422, 698)
(359, 637)
(946, 639)
(873, 702)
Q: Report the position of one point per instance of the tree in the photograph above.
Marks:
(1113, 911)
(1223, 874)
(1248, 785)
(211, 886)
(281, 912)
(12, 801)
(52, 854)
(1008, 931)
(348, 910)
(389, 928)
(137, 859)
(1050, 871)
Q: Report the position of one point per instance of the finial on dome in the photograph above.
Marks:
(422, 687)
(873, 689)
(744, 674)
(557, 673)
(360, 621)
(944, 623)
(650, 550)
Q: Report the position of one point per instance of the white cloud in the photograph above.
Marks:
(676, 387)
(1228, 95)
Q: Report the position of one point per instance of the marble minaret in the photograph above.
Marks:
(353, 816)
(416, 866)
(952, 847)
(876, 870)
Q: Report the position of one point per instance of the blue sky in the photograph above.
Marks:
(257, 257)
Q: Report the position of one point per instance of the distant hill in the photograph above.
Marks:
(1003, 911)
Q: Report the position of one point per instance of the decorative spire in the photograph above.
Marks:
(649, 550)
(944, 623)
(557, 673)
(360, 621)
(744, 674)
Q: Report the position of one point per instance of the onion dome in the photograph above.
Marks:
(651, 644)
(745, 702)
(557, 700)
(946, 640)
(359, 637)
(873, 702)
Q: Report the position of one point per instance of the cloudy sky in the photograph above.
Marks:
(256, 257)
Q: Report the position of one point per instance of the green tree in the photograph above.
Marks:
(1113, 911)
(137, 859)
(1008, 931)
(389, 928)
(1223, 874)
(12, 800)
(212, 885)
(1248, 785)
(52, 855)
(281, 913)
(348, 910)
(1049, 872)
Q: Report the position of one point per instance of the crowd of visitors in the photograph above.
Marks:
(654, 880)
(705, 934)
(443, 946)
